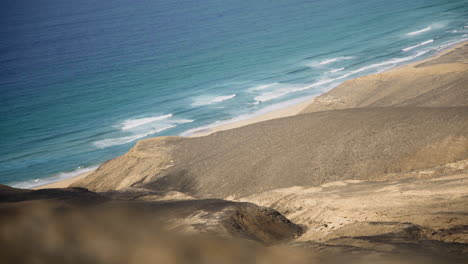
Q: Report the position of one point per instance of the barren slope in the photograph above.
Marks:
(436, 82)
(303, 150)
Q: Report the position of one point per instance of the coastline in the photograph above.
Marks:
(63, 183)
(278, 113)
(299, 107)
(287, 111)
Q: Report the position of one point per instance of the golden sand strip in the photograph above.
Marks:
(63, 183)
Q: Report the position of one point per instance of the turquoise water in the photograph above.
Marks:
(82, 81)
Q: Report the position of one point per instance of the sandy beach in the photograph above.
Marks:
(311, 105)
(63, 183)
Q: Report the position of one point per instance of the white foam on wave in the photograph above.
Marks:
(264, 97)
(381, 66)
(133, 123)
(417, 46)
(262, 111)
(270, 96)
(263, 87)
(139, 128)
(419, 31)
(207, 100)
(328, 61)
(223, 98)
(267, 96)
(127, 139)
(273, 94)
(336, 70)
(54, 178)
(446, 45)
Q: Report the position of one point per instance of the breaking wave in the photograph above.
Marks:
(328, 61)
(124, 140)
(207, 100)
(54, 178)
(417, 46)
(139, 128)
(133, 123)
(336, 70)
(419, 31)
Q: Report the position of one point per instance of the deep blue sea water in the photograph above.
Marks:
(81, 81)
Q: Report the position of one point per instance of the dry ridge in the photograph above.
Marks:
(303, 150)
(412, 117)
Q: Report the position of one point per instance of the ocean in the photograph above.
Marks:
(82, 81)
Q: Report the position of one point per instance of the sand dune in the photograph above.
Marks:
(303, 150)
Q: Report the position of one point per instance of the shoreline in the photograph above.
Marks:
(296, 108)
(63, 183)
(289, 110)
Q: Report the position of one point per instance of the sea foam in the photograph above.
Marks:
(139, 128)
(328, 61)
(417, 46)
(378, 67)
(448, 44)
(279, 91)
(336, 70)
(262, 111)
(270, 96)
(384, 65)
(419, 31)
(325, 62)
(133, 123)
(124, 140)
(264, 86)
(54, 178)
(267, 96)
(208, 100)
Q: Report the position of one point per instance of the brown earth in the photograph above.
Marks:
(374, 171)
(303, 150)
